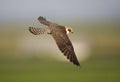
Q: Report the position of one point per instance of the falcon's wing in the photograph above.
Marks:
(38, 31)
(42, 20)
(65, 46)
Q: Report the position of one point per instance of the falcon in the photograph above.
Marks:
(59, 33)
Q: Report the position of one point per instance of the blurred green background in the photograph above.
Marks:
(28, 58)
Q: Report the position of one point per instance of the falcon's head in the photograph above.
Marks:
(68, 29)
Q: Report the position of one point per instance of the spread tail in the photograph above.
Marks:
(38, 31)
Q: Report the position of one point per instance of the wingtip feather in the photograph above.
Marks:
(41, 18)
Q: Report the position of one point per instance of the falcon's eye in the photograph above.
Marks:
(69, 30)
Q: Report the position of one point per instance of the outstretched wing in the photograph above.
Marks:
(42, 20)
(38, 31)
(65, 46)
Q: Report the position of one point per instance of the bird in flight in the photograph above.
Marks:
(59, 33)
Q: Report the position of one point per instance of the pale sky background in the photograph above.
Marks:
(11, 10)
(26, 12)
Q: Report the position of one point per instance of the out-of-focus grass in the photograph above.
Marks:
(103, 64)
(96, 69)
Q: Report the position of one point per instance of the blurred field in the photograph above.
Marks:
(103, 69)
(21, 66)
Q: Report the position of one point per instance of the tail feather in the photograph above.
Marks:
(37, 31)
